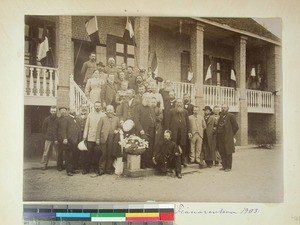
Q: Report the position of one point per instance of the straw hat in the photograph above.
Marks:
(128, 125)
(82, 146)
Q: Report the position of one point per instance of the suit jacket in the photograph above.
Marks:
(189, 108)
(69, 128)
(196, 125)
(49, 128)
(108, 93)
(91, 125)
(230, 129)
(144, 118)
(127, 111)
(105, 127)
(179, 120)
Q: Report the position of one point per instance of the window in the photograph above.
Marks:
(120, 50)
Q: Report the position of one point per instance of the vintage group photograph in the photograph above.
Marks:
(166, 109)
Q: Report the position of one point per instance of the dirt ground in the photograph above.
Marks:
(257, 176)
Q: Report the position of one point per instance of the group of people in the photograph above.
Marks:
(174, 128)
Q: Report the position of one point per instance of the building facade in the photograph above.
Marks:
(181, 45)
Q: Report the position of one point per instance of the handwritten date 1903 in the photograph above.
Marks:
(249, 211)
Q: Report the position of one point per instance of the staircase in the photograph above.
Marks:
(77, 97)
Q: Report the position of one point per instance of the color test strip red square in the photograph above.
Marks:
(166, 216)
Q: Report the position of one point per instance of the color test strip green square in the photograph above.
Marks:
(107, 214)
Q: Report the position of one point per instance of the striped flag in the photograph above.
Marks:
(129, 32)
(154, 66)
(253, 74)
(92, 30)
(43, 46)
(233, 77)
(208, 73)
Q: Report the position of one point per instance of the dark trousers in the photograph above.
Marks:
(146, 157)
(60, 156)
(164, 163)
(76, 158)
(183, 147)
(91, 157)
(69, 149)
(106, 159)
(226, 157)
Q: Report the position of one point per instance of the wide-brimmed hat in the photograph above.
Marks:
(128, 125)
(159, 79)
(82, 146)
(207, 108)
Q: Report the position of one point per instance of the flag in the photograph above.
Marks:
(253, 74)
(154, 66)
(190, 76)
(233, 77)
(43, 46)
(92, 30)
(208, 73)
(129, 33)
(44, 53)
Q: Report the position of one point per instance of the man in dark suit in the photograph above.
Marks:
(109, 91)
(61, 121)
(188, 106)
(226, 129)
(144, 119)
(169, 103)
(127, 108)
(68, 137)
(179, 126)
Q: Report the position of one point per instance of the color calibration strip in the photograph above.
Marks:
(102, 213)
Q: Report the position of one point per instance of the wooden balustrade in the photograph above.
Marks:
(260, 101)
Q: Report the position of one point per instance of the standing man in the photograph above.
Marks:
(226, 129)
(109, 91)
(102, 75)
(196, 127)
(81, 118)
(69, 139)
(208, 142)
(140, 93)
(188, 106)
(88, 67)
(179, 126)
(216, 116)
(131, 78)
(91, 157)
(108, 128)
(61, 121)
(168, 104)
(144, 120)
(49, 129)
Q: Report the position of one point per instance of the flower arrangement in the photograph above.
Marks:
(134, 145)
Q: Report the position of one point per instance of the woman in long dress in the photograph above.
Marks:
(93, 87)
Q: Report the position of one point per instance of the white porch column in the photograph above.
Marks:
(240, 67)
(141, 28)
(197, 36)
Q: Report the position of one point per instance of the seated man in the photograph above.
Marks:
(167, 155)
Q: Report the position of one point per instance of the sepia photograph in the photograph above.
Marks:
(165, 109)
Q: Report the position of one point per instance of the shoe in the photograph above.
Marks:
(60, 169)
(210, 166)
(85, 172)
(184, 165)
(100, 173)
(70, 174)
(222, 168)
(110, 173)
(179, 175)
(227, 170)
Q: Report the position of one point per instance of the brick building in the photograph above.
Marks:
(181, 45)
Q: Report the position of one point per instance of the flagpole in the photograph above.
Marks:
(77, 55)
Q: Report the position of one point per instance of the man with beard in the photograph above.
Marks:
(168, 104)
(89, 67)
(111, 67)
(144, 119)
(60, 160)
(179, 126)
(216, 116)
(107, 130)
(187, 104)
(69, 137)
(109, 91)
(140, 93)
(226, 129)
(131, 78)
(137, 83)
(167, 155)
(91, 157)
(102, 75)
(196, 127)
(49, 129)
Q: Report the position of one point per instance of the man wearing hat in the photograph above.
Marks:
(226, 129)
(196, 127)
(61, 120)
(129, 75)
(88, 67)
(208, 142)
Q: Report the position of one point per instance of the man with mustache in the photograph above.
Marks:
(179, 126)
(89, 67)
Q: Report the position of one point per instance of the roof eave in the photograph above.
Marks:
(236, 30)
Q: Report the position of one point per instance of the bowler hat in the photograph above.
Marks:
(207, 108)
(100, 64)
(82, 146)
(159, 79)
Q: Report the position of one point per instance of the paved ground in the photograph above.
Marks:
(257, 176)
